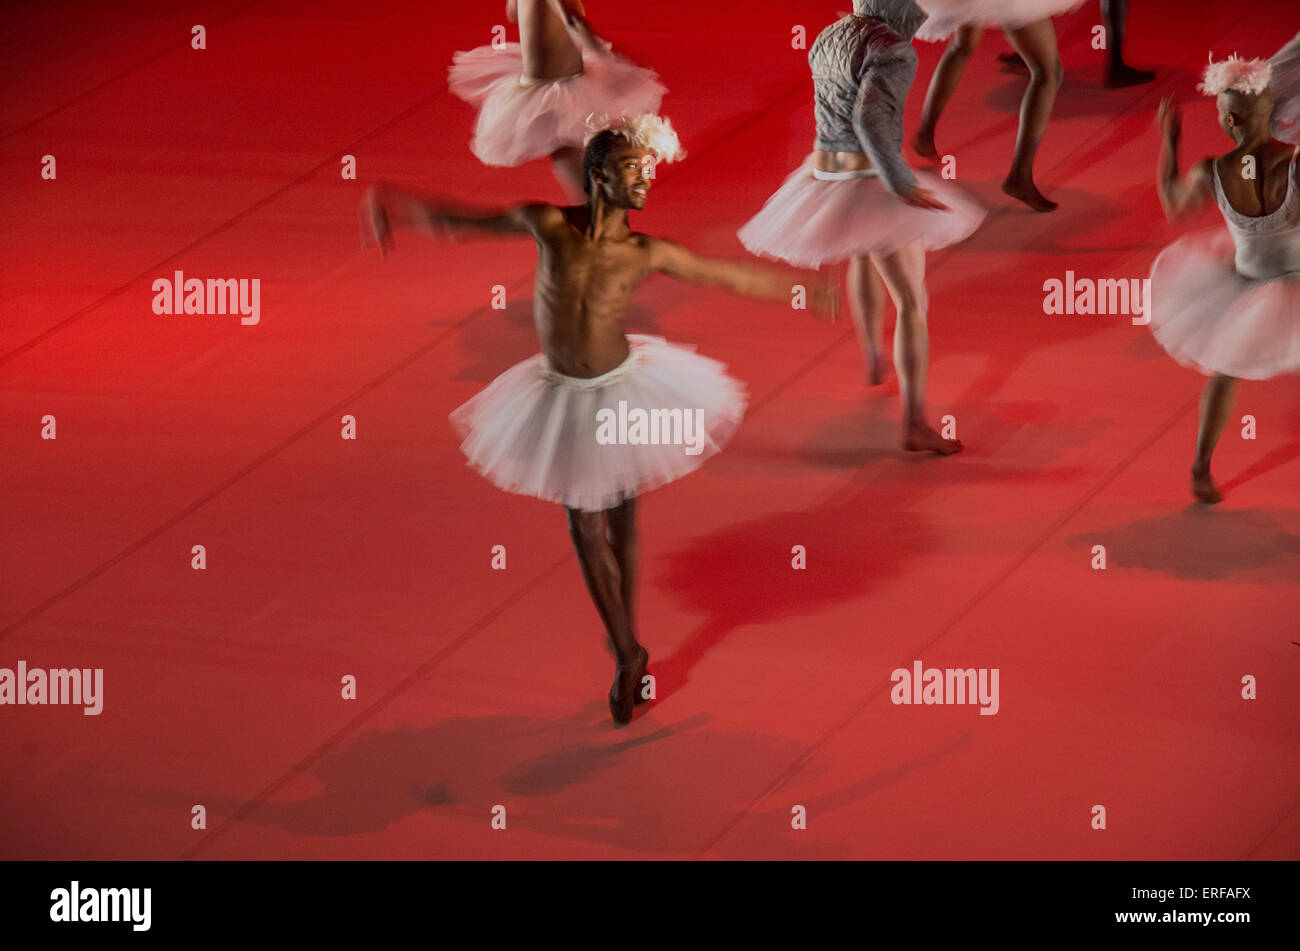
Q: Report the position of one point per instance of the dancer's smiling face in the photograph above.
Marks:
(625, 175)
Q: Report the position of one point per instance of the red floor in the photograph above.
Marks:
(479, 688)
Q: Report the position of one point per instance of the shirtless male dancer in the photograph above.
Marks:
(532, 430)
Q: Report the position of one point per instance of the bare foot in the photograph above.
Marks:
(921, 437)
(637, 697)
(1028, 192)
(627, 685)
(1124, 75)
(923, 144)
(1203, 486)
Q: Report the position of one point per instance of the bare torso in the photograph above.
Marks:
(839, 161)
(582, 290)
(1264, 191)
(548, 50)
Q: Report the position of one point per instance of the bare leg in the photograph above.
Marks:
(620, 532)
(567, 166)
(943, 84)
(1119, 73)
(1036, 43)
(1216, 401)
(600, 569)
(904, 276)
(867, 304)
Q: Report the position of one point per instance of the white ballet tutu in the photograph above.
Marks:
(589, 444)
(810, 220)
(947, 15)
(1210, 317)
(521, 119)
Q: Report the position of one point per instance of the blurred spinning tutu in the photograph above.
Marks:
(1228, 301)
(521, 119)
(536, 432)
(947, 15)
(819, 217)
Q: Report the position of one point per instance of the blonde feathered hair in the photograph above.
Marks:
(1235, 74)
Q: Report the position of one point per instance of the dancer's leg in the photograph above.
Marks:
(867, 304)
(1216, 401)
(600, 569)
(1119, 73)
(567, 166)
(1036, 43)
(904, 276)
(620, 532)
(943, 84)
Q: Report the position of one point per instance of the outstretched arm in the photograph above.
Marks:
(386, 208)
(749, 279)
(1179, 196)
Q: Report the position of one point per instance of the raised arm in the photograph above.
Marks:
(386, 208)
(1179, 197)
(575, 20)
(761, 281)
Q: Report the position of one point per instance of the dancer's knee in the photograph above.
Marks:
(1056, 72)
(959, 49)
(587, 529)
(913, 303)
(1044, 72)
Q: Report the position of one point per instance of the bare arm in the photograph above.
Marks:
(1179, 196)
(386, 208)
(575, 20)
(748, 279)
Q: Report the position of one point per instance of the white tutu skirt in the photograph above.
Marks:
(810, 221)
(947, 15)
(1208, 316)
(589, 444)
(520, 120)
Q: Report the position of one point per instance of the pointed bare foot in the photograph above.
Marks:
(1203, 487)
(923, 145)
(921, 437)
(1028, 192)
(637, 697)
(627, 684)
(1124, 75)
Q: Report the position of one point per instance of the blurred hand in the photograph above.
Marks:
(1170, 118)
(374, 223)
(826, 299)
(919, 197)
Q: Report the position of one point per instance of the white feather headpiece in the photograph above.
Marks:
(651, 132)
(1235, 74)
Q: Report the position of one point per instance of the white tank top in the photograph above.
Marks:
(1267, 245)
